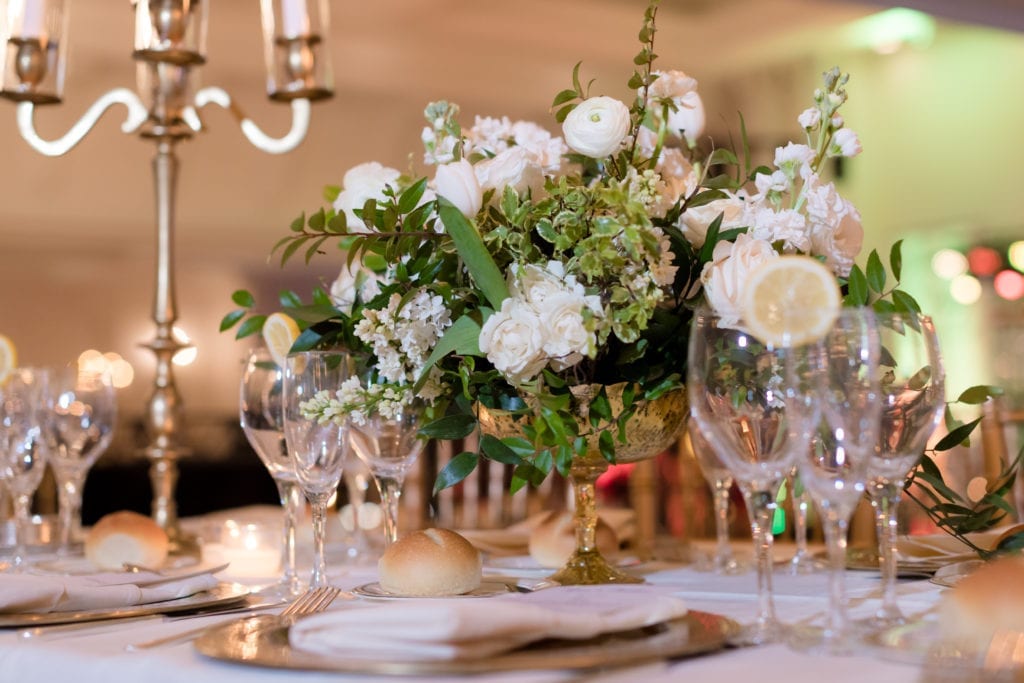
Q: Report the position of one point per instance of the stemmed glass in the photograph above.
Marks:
(834, 468)
(389, 446)
(754, 404)
(83, 417)
(913, 398)
(24, 412)
(720, 480)
(261, 413)
(317, 446)
(802, 562)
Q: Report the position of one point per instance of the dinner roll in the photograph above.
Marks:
(554, 538)
(126, 537)
(989, 599)
(428, 563)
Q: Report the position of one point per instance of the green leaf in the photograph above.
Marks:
(563, 97)
(876, 272)
(494, 449)
(410, 199)
(474, 253)
(857, 288)
(307, 340)
(457, 469)
(978, 394)
(600, 409)
(606, 444)
(243, 298)
(253, 325)
(289, 299)
(317, 221)
(896, 260)
(298, 224)
(292, 248)
(228, 321)
(957, 436)
(463, 338)
(449, 427)
(904, 301)
(722, 155)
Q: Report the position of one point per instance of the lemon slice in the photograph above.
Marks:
(8, 357)
(279, 332)
(790, 301)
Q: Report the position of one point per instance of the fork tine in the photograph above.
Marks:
(301, 602)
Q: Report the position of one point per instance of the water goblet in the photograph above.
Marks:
(317, 444)
(754, 404)
(834, 468)
(83, 416)
(261, 414)
(24, 413)
(913, 399)
(720, 479)
(389, 445)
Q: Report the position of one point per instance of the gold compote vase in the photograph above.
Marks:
(654, 427)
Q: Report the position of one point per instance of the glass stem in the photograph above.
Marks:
(22, 520)
(319, 577)
(835, 538)
(390, 494)
(292, 503)
(801, 503)
(723, 552)
(69, 496)
(761, 509)
(884, 499)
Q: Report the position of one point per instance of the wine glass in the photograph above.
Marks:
(803, 561)
(24, 413)
(913, 399)
(720, 480)
(389, 445)
(834, 468)
(261, 414)
(83, 417)
(317, 445)
(754, 404)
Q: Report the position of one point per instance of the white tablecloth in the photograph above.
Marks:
(99, 656)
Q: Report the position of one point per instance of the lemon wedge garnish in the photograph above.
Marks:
(8, 357)
(790, 301)
(279, 332)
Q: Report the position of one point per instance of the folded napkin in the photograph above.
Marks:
(473, 628)
(515, 539)
(939, 549)
(29, 593)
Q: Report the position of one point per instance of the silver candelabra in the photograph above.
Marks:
(170, 37)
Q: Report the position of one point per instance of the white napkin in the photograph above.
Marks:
(29, 593)
(941, 549)
(472, 628)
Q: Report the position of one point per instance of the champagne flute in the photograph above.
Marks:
(317, 445)
(262, 418)
(389, 445)
(913, 399)
(24, 414)
(83, 417)
(720, 479)
(834, 468)
(755, 406)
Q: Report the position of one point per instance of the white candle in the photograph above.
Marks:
(294, 18)
(33, 15)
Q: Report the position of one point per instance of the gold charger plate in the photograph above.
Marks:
(486, 589)
(263, 641)
(220, 595)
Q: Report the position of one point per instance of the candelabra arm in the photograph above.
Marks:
(137, 115)
(252, 132)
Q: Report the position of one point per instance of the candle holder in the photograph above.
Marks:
(170, 43)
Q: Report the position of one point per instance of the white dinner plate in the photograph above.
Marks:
(80, 566)
(485, 590)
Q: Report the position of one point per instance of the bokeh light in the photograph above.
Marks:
(1009, 284)
(119, 370)
(984, 261)
(1016, 255)
(188, 355)
(948, 263)
(965, 289)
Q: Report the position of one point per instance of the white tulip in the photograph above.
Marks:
(457, 183)
(597, 127)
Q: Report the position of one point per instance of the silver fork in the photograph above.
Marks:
(313, 601)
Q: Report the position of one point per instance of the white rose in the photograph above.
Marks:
(809, 118)
(345, 287)
(596, 127)
(457, 183)
(564, 331)
(535, 284)
(515, 168)
(694, 223)
(512, 339)
(726, 274)
(845, 143)
(786, 225)
(362, 183)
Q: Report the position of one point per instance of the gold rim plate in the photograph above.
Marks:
(263, 641)
(220, 595)
(487, 589)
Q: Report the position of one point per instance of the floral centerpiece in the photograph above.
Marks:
(530, 273)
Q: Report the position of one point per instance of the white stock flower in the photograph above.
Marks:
(809, 118)
(794, 159)
(835, 226)
(516, 168)
(360, 184)
(596, 127)
(513, 341)
(776, 181)
(845, 143)
(694, 223)
(349, 283)
(726, 274)
(457, 183)
(786, 225)
(489, 136)
(689, 118)
(545, 149)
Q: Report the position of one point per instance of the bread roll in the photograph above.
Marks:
(429, 563)
(553, 540)
(126, 537)
(989, 599)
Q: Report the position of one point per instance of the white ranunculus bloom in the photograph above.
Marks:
(597, 127)
(361, 183)
(726, 274)
(457, 183)
(512, 339)
(809, 118)
(564, 331)
(785, 225)
(515, 167)
(846, 143)
(694, 223)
